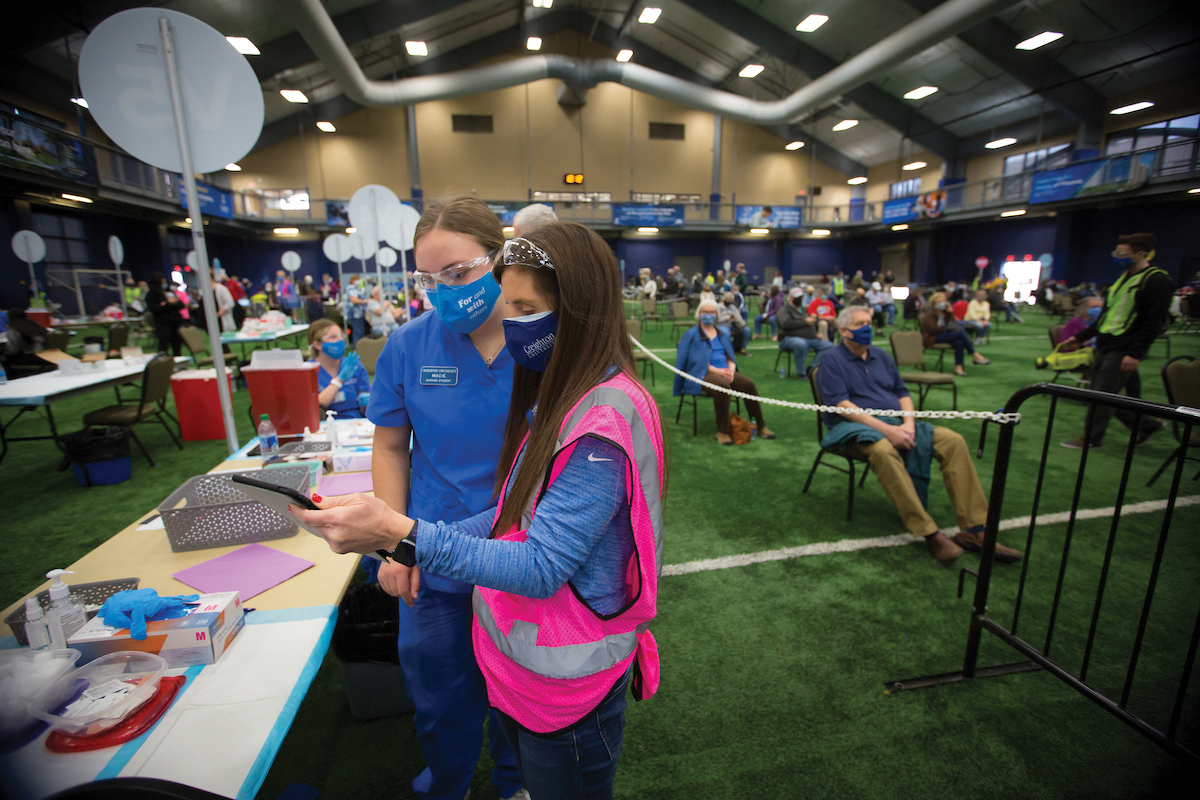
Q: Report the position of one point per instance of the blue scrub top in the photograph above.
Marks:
(345, 404)
(431, 377)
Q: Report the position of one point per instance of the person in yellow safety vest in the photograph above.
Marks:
(839, 284)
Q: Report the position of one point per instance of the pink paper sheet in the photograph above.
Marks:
(249, 571)
(346, 483)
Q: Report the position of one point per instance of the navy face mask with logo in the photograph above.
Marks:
(530, 339)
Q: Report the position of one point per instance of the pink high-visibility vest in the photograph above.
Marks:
(549, 663)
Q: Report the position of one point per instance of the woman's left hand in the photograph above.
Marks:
(356, 523)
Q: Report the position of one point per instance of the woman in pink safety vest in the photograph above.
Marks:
(566, 565)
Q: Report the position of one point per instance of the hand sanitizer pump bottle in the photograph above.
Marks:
(66, 614)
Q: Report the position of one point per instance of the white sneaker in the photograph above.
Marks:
(519, 794)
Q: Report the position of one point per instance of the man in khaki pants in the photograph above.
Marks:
(856, 375)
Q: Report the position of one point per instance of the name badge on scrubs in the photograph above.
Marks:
(439, 376)
(340, 397)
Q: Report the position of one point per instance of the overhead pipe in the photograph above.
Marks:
(317, 29)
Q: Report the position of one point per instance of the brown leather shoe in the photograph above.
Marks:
(974, 543)
(766, 433)
(944, 550)
(724, 438)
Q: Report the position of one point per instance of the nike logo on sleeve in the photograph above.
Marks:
(592, 457)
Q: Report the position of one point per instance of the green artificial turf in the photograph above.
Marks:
(773, 674)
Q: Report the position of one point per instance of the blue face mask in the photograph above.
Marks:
(464, 308)
(862, 335)
(1124, 262)
(708, 319)
(1094, 313)
(530, 339)
(334, 349)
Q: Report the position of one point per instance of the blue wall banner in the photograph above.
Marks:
(213, 201)
(1097, 177)
(647, 215)
(37, 149)
(770, 216)
(924, 206)
(337, 213)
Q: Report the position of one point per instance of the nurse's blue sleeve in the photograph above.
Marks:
(387, 407)
(577, 510)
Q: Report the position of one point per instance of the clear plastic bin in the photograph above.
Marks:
(142, 670)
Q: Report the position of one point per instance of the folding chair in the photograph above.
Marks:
(837, 451)
(368, 349)
(909, 351)
(1181, 378)
(634, 327)
(650, 312)
(156, 383)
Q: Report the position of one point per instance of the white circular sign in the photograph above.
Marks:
(124, 78)
(116, 250)
(361, 247)
(28, 246)
(374, 209)
(401, 237)
(290, 261)
(337, 248)
(386, 257)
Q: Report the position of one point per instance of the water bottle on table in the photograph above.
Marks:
(268, 439)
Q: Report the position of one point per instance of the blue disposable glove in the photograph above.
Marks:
(133, 609)
(349, 365)
(364, 399)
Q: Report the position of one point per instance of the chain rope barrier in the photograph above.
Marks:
(1000, 417)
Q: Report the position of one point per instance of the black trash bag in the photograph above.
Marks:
(367, 626)
(94, 340)
(92, 444)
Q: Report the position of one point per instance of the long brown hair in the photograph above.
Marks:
(464, 215)
(585, 289)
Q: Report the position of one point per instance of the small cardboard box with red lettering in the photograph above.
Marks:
(198, 638)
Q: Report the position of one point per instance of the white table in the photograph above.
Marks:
(267, 336)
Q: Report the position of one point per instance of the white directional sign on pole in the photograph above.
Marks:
(116, 251)
(31, 249)
(290, 261)
(336, 248)
(386, 257)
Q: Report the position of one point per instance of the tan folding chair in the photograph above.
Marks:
(835, 451)
(682, 318)
(650, 312)
(1181, 377)
(196, 345)
(368, 349)
(909, 351)
(634, 326)
(156, 383)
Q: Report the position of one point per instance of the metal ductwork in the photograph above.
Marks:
(318, 30)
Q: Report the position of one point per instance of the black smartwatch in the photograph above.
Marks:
(405, 552)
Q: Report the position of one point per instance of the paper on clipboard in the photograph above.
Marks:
(279, 503)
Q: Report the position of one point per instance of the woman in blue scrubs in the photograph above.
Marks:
(343, 385)
(444, 380)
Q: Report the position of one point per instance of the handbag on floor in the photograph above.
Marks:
(739, 429)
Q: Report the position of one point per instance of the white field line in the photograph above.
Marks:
(850, 545)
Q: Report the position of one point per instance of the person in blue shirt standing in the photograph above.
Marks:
(356, 309)
(344, 387)
(445, 380)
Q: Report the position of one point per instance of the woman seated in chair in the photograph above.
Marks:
(979, 316)
(26, 338)
(705, 352)
(343, 384)
(940, 326)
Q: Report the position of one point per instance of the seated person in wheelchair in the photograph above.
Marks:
(855, 374)
(705, 352)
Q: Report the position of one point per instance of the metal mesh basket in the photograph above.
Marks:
(93, 596)
(209, 511)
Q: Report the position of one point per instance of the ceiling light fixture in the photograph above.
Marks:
(286, 231)
(751, 71)
(914, 165)
(1129, 109)
(187, 221)
(998, 143)
(861, 179)
(820, 232)
(233, 167)
(78, 198)
(845, 125)
(294, 95)
(760, 231)
(624, 56)
(1034, 42)
(1018, 212)
(650, 15)
(647, 230)
(533, 43)
(508, 230)
(793, 145)
(243, 45)
(416, 48)
(352, 229)
(920, 92)
(812, 22)
(326, 126)
(1194, 191)
(903, 226)
(542, 3)
(79, 101)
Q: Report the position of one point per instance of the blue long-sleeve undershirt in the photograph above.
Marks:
(581, 533)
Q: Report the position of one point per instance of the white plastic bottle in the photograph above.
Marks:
(35, 625)
(268, 439)
(66, 614)
(331, 430)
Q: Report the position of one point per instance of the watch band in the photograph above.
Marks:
(406, 552)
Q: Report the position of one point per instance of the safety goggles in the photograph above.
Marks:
(523, 252)
(452, 276)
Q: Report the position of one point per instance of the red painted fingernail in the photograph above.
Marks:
(316, 497)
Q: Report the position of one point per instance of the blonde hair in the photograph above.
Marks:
(316, 331)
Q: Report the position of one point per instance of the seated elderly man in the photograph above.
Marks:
(705, 352)
(798, 331)
(899, 449)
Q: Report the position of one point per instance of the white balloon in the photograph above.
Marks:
(386, 257)
(386, 216)
(401, 237)
(28, 246)
(337, 248)
(124, 78)
(361, 247)
(290, 261)
(116, 250)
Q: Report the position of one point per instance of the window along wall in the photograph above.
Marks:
(1179, 134)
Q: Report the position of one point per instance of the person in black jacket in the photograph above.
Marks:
(798, 331)
(164, 306)
(1134, 314)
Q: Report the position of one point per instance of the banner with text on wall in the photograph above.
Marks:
(1096, 177)
(214, 202)
(770, 216)
(647, 215)
(923, 206)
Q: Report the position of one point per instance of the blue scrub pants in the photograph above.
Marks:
(448, 691)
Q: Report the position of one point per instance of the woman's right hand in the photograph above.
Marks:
(400, 581)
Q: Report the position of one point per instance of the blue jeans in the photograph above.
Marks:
(890, 310)
(959, 341)
(577, 764)
(358, 328)
(446, 687)
(758, 321)
(799, 348)
(976, 328)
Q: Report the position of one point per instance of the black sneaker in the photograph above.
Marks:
(1078, 444)
(1145, 433)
